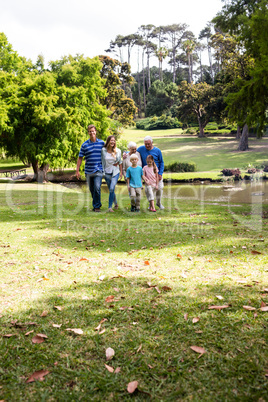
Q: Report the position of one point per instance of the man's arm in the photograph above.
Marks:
(161, 165)
(79, 161)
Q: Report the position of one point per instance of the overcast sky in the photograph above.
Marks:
(55, 28)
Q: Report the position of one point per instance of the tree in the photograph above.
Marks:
(161, 98)
(175, 35)
(248, 19)
(45, 115)
(121, 107)
(161, 54)
(206, 34)
(198, 101)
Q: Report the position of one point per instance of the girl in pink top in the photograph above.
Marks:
(150, 171)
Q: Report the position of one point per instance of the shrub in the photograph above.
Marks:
(231, 172)
(156, 123)
(191, 130)
(181, 167)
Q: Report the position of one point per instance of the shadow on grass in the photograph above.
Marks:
(145, 323)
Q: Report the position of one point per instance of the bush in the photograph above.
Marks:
(180, 167)
(231, 172)
(163, 122)
(191, 130)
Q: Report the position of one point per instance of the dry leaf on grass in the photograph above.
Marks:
(249, 308)
(198, 349)
(263, 304)
(218, 307)
(39, 338)
(109, 353)
(219, 297)
(77, 331)
(9, 335)
(117, 370)
(185, 316)
(109, 368)
(37, 375)
(166, 288)
(132, 386)
(102, 331)
(264, 308)
(109, 299)
(56, 325)
(84, 259)
(195, 320)
(44, 314)
(29, 332)
(58, 308)
(146, 263)
(255, 252)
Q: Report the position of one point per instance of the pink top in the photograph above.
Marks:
(151, 176)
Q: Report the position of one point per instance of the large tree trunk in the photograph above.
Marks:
(40, 173)
(243, 144)
(201, 129)
(143, 83)
(238, 133)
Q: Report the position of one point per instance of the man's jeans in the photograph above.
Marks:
(94, 183)
(111, 183)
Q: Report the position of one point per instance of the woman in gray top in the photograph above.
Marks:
(112, 168)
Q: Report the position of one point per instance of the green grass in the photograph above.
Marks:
(162, 269)
(210, 154)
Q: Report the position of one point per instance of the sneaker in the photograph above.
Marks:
(133, 208)
(137, 210)
(96, 210)
(116, 206)
(160, 206)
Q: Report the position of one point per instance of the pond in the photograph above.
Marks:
(253, 192)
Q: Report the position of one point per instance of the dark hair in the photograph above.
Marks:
(154, 165)
(108, 142)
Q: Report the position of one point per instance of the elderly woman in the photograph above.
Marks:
(132, 146)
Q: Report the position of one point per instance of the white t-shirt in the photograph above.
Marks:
(109, 162)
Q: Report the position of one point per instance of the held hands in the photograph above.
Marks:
(160, 177)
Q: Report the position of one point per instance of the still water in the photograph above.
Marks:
(253, 192)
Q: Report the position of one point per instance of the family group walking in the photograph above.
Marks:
(104, 159)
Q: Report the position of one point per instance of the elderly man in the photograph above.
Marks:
(149, 149)
(91, 150)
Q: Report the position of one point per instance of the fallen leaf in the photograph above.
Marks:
(102, 331)
(116, 289)
(185, 317)
(263, 304)
(58, 308)
(146, 263)
(132, 386)
(109, 353)
(56, 325)
(184, 276)
(29, 332)
(264, 308)
(37, 375)
(39, 338)
(117, 370)
(77, 331)
(109, 299)
(218, 307)
(198, 349)
(195, 320)
(139, 349)
(255, 252)
(158, 291)
(220, 297)
(249, 308)
(108, 250)
(9, 335)
(44, 314)
(84, 259)
(179, 256)
(109, 368)
(166, 288)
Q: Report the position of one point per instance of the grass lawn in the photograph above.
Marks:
(145, 285)
(210, 153)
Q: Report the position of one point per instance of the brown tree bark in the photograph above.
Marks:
(238, 133)
(40, 173)
(243, 144)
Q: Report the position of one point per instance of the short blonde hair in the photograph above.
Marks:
(133, 156)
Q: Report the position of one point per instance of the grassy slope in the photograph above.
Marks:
(163, 270)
